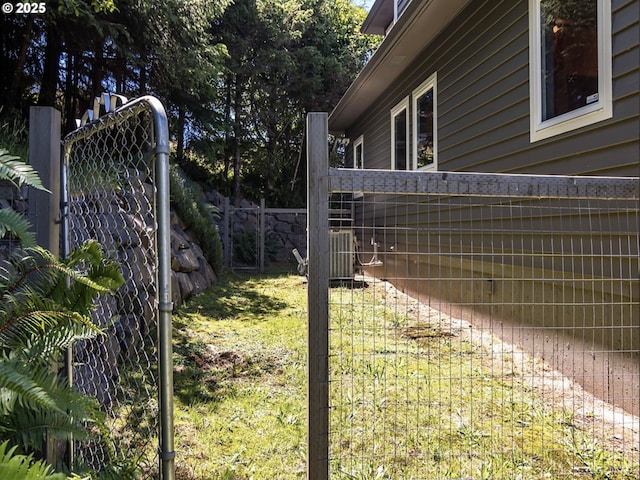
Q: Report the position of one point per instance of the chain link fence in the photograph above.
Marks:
(112, 197)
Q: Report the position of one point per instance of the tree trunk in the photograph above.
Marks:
(237, 133)
(12, 96)
(49, 84)
(228, 150)
(181, 125)
(143, 79)
(70, 94)
(97, 68)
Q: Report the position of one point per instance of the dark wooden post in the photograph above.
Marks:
(318, 296)
(44, 207)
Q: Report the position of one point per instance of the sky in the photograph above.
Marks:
(365, 3)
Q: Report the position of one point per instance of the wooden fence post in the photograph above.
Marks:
(44, 156)
(44, 207)
(318, 296)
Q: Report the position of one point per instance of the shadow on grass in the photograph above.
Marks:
(203, 373)
(234, 296)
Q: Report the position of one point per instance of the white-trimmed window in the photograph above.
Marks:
(570, 65)
(425, 141)
(358, 152)
(400, 136)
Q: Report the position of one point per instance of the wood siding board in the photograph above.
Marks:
(625, 40)
(477, 154)
(482, 63)
(503, 56)
(598, 162)
(447, 54)
(483, 91)
(624, 14)
(626, 84)
(481, 122)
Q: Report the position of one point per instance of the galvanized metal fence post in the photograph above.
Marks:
(165, 305)
(318, 296)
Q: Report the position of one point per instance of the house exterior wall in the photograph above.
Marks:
(482, 65)
(541, 287)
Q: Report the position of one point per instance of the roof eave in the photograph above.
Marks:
(417, 27)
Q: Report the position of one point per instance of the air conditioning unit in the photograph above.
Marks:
(341, 254)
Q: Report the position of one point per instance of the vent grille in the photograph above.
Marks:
(341, 254)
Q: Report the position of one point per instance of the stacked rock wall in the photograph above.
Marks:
(122, 222)
(191, 273)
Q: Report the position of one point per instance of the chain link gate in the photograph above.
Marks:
(117, 192)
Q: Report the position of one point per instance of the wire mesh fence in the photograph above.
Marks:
(491, 330)
(111, 196)
(247, 230)
(496, 337)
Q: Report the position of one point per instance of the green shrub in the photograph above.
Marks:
(188, 201)
(14, 135)
(197, 166)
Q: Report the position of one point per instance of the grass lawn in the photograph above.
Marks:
(240, 380)
(409, 400)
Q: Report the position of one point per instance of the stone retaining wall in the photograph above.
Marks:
(191, 273)
(285, 229)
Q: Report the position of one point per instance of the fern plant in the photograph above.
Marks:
(14, 170)
(44, 306)
(14, 466)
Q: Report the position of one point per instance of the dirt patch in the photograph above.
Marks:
(424, 331)
(612, 427)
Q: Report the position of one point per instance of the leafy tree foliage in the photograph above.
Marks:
(286, 58)
(237, 78)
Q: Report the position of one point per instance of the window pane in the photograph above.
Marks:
(425, 129)
(569, 55)
(400, 140)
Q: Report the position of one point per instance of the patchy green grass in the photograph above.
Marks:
(240, 388)
(411, 398)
